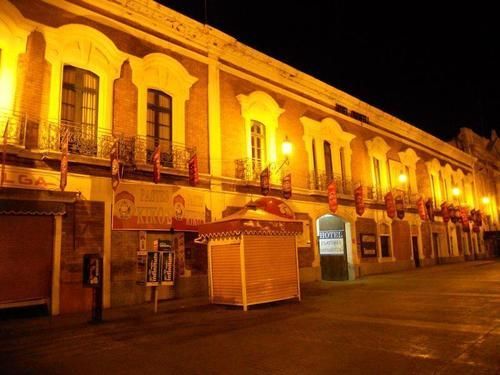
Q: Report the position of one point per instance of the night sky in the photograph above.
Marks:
(436, 67)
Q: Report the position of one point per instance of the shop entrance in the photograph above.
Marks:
(331, 231)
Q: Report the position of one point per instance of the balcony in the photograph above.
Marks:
(133, 151)
(16, 131)
(248, 169)
(320, 181)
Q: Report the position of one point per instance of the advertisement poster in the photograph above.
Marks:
(156, 207)
(331, 242)
(167, 267)
(368, 245)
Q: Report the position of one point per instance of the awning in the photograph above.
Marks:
(18, 207)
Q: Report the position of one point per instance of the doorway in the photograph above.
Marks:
(331, 231)
(414, 244)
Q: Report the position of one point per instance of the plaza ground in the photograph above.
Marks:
(439, 320)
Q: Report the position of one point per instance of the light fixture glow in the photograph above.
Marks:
(286, 147)
(403, 178)
(455, 191)
(485, 200)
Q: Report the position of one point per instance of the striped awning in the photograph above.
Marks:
(25, 207)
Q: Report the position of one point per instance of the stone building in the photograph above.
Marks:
(136, 77)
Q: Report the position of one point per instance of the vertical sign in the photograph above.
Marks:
(400, 206)
(390, 205)
(115, 165)
(421, 208)
(358, 200)
(287, 186)
(429, 208)
(64, 159)
(444, 212)
(194, 177)
(264, 181)
(167, 274)
(332, 197)
(156, 164)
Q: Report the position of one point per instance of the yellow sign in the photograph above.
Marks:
(157, 207)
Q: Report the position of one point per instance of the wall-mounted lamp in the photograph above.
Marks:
(286, 147)
(402, 178)
(485, 200)
(455, 191)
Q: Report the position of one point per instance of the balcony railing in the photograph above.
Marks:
(320, 181)
(132, 150)
(248, 169)
(16, 127)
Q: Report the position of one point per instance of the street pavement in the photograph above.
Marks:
(439, 320)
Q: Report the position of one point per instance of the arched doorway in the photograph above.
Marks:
(331, 232)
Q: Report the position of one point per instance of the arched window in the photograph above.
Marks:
(79, 108)
(258, 140)
(159, 121)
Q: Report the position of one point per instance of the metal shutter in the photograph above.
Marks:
(25, 258)
(270, 268)
(226, 274)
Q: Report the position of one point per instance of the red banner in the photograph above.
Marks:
(265, 186)
(194, 177)
(4, 151)
(429, 208)
(465, 219)
(390, 205)
(156, 165)
(115, 165)
(358, 200)
(332, 197)
(287, 186)
(421, 208)
(64, 159)
(400, 206)
(444, 212)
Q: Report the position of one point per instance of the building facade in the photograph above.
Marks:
(82, 81)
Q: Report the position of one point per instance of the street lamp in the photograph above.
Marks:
(286, 149)
(456, 192)
(402, 178)
(485, 200)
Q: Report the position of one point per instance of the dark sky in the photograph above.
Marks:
(434, 66)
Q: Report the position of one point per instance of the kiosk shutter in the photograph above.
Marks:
(226, 274)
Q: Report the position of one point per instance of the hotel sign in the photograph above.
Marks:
(331, 242)
(157, 207)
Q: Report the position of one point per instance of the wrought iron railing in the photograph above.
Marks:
(81, 140)
(172, 155)
(13, 126)
(132, 150)
(321, 180)
(248, 169)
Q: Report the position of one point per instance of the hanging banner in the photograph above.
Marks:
(452, 212)
(157, 207)
(287, 186)
(4, 151)
(465, 219)
(115, 165)
(429, 208)
(390, 205)
(444, 212)
(332, 196)
(64, 160)
(194, 177)
(421, 208)
(400, 206)
(358, 200)
(156, 159)
(478, 219)
(264, 181)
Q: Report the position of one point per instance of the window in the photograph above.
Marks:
(378, 181)
(342, 170)
(328, 161)
(258, 140)
(159, 125)
(341, 109)
(315, 165)
(79, 108)
(384, 246)
(433, 187)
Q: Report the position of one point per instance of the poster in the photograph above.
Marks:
(368, 245)
(167, 260)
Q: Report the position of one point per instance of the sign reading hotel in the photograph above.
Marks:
(331, 242)
(154, 207)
